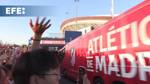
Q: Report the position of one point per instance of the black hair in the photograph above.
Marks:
(33, 63)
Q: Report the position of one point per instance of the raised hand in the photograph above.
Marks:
(38, 29)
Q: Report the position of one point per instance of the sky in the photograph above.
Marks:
(16, 30)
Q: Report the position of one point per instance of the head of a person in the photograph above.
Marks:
(37, 67)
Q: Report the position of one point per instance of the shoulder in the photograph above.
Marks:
(2, 68)
(3, 71)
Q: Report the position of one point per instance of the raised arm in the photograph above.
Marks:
(38, 29)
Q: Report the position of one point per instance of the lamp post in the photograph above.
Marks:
(76, 11)
(112, 8)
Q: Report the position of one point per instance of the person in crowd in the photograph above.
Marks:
(9, 73)
(3, 75)
(38, 29)
(38, 66)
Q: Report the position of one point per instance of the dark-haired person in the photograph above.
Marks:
(3, 75)
(38, 66)
(8, 68)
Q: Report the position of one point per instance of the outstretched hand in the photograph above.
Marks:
(39, 28)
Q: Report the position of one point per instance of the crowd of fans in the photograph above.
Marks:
(23, 65)
(8, 52)
(20, 65)
(8, 55)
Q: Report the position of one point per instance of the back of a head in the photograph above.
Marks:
(33, 63)
(42, 60)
